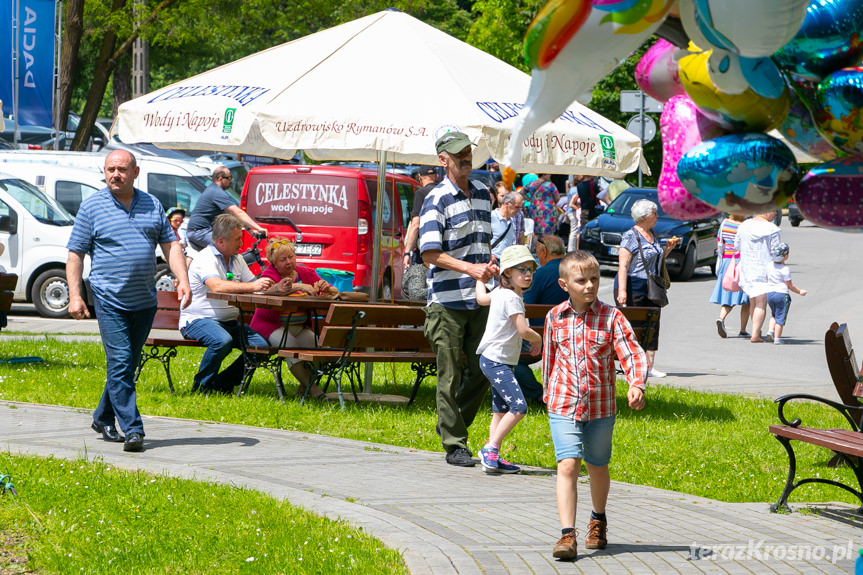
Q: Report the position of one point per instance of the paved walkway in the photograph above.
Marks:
(455, 520)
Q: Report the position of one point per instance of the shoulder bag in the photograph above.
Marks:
(731, 277)
(656, 289)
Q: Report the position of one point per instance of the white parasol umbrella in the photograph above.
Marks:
(349, 92)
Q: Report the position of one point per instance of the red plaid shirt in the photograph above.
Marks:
(578, 363)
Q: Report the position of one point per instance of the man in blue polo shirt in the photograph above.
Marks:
(455, 233)
(119, 227)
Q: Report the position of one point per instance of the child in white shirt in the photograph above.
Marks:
(500, 348)
(778, 298)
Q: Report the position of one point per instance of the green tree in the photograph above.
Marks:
(499, 27)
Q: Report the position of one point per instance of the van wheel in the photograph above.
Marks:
(688, 267)
(165, 278)
(386, 291)
(50, 294)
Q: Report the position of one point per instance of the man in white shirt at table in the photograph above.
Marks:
(219, 268)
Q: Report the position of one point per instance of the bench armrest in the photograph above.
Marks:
(845, 410)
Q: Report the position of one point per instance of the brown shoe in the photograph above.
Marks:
(596, 530)
(566, 547)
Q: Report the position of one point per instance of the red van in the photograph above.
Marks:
(334, 209)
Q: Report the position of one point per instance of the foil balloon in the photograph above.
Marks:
(740, 173)
(799, 127)
(838, 109)
(733, 74)
(682, 126)
(612, 30)
(743, 112)
(831, 194)
(828, 40)
(750, 28)
(657, 72)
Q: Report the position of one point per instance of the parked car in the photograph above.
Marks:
(35, 230)
(697, 247)
(794, 215)
(334, 209)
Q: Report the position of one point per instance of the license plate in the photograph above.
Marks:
(308, 249)
(613, 250)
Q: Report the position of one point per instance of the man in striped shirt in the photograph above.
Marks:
(119, 227)
(455, 233)
(582, 336)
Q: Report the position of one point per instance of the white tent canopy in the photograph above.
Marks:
(348, 92)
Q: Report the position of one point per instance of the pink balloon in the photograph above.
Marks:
(831, 194)
(657, 72)
(682, 126)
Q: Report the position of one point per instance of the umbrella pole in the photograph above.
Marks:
(376, 251)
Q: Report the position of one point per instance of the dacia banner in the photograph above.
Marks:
(35, 35)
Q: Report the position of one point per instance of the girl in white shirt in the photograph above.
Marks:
(500, 348)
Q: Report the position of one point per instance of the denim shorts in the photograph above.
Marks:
(779, 304)
(588, 440)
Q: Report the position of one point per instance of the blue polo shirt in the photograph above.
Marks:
(460, 227)
(121, 244)
(544, 289)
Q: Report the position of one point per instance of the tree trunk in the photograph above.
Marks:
(72, 34)
(105, 67)
(122, 85)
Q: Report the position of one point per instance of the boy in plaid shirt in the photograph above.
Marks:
(582, 336)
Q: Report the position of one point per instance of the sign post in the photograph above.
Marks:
(643, 126)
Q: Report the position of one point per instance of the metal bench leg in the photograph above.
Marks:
(782, 504)
(422, 370)
(164, 357)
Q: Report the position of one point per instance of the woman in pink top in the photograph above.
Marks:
(293, 330)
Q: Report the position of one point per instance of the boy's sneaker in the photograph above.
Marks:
(778, 341)
(596, 531)
(655, 373)
(743, 333)
(720, 327)
(769, 336)
(504, 466)
(460, 457)
(490, 460)
(566, 548)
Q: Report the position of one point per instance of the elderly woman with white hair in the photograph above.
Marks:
(630, 285)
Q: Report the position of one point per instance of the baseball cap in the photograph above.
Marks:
(779, 251)
(452, 142)
(514, 255)
(427, 171)
(173, 211)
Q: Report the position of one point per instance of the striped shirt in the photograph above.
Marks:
(121, 244)
(727, 233)
(461, 228)
(578, 360)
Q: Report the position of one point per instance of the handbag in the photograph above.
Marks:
(731, 277)
(657, 292)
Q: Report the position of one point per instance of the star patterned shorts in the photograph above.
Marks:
(506, 395)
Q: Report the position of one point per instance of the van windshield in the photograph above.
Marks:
(38, 204)
(305, 198)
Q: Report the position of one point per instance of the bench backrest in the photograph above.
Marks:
(644, 322)
(168, 311)
(7, 290)
(375, 314)
(378, 338)
(844, 370)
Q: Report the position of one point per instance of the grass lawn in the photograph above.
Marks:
(86, 517)
(711, 445)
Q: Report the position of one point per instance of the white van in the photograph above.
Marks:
(35, 230)
(177, 183)
(67, 185)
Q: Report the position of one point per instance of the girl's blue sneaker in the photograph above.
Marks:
(504, 466)
(489, 460)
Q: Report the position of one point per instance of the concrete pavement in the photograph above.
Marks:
(449, 520)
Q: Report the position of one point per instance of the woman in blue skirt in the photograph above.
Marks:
(727, 299)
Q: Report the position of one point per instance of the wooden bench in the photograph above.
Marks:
(358, 333)
(163, 347)
(7, 292)
(847, 444)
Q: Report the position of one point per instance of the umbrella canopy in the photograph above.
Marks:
(348, 92)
